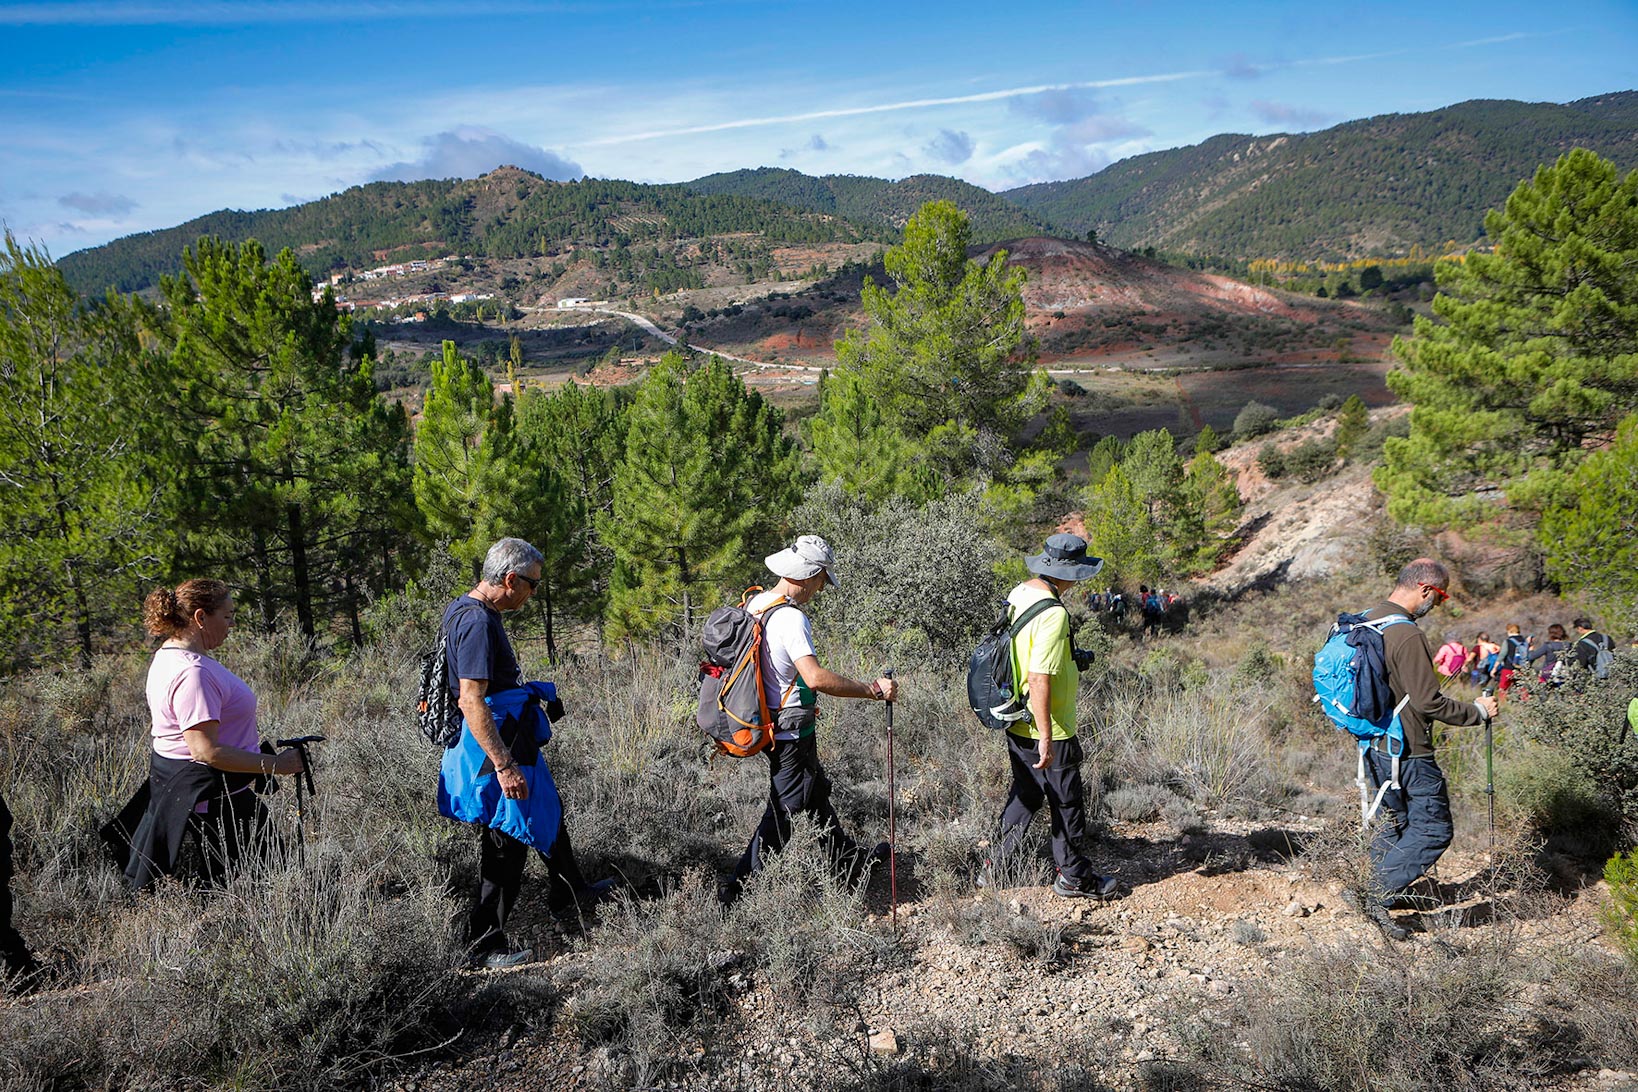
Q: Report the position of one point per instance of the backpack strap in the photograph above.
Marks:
(1031, 612)
(762, 619)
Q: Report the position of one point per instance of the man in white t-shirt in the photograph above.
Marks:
(792, 679)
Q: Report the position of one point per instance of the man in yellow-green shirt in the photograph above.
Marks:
(1046, 762)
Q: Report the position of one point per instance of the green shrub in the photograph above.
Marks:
(1335, 1019)
(1271, 461)
(912, 578)
(1254, 419)
(1138, 803)
(1311, 460)
(1557, 801)
(1585, 720)
(1621, 912)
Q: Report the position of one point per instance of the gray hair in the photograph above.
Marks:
(509, 555)
(1424, 570)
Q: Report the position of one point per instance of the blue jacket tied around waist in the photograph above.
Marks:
(469, 791)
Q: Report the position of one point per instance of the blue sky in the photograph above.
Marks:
(119, 116)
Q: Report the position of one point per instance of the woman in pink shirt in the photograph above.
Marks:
(207, 762)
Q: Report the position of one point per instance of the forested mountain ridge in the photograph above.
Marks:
(1373, 187)
(508, 213)
(877, 201)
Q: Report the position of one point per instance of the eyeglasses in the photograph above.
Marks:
(533, 581)
(1435, 589)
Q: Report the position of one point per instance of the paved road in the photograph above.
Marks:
(647, 325)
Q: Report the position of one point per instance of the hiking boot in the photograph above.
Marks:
(495, 953)
(1094, 886)
(986, 875)
(1377, 914)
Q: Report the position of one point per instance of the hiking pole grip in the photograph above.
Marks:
(300, 743)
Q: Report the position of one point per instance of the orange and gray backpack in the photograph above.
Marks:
(733, 705)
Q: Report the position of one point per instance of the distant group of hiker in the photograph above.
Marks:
(208, 765)
(1153, 604)
(1486, 663)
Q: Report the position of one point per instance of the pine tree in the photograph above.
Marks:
(1353, 422)
(1213, 501)
(947, 342)
(570, 441)
(285, 458)
(463, 471)
(1119, 531)
(1591, 541)
(705, 481)
(79, 517)
(853, 444)
(1533, 362)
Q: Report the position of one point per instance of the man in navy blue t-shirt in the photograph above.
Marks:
(481, 663)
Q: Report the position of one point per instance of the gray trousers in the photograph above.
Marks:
(1417, 827)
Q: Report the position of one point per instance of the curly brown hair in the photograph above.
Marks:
(167, 612)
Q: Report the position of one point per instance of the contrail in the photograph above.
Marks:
(1008, 93)
(907, 104)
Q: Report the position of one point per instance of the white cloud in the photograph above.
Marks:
(97, 204)
(470, 151)
(950, 146)
(1279, 113)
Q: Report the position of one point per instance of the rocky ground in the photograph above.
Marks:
(1017, 980)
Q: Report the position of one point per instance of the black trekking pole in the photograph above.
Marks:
(892, 831)
(304, 779)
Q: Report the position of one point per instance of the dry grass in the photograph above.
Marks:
(333, 974)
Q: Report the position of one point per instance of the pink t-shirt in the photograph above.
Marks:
(187, 689)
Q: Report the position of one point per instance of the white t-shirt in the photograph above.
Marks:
(787, 636)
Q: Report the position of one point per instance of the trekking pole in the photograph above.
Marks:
(1490, 788)
(892, 831)
(304, 779)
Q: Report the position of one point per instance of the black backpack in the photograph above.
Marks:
(996, 699)
(437, 713)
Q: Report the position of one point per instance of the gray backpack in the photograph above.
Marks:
(733, 706)
(1603, 654)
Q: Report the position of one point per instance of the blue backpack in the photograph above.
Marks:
(1351, 685)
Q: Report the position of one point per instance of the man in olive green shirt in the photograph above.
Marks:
(1046, 762)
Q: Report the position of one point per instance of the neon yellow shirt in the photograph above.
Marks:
(1044, 648)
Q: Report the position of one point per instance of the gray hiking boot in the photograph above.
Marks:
(1376, 914)
(1093, 887)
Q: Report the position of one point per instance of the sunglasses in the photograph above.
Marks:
(533, 582)
(1440, 592)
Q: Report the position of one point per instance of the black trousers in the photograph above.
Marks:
(12, 948)
(1059, 787)
(501, 862)
(797, 785)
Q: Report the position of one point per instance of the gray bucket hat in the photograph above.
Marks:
(810, 554)
(1064, 558)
